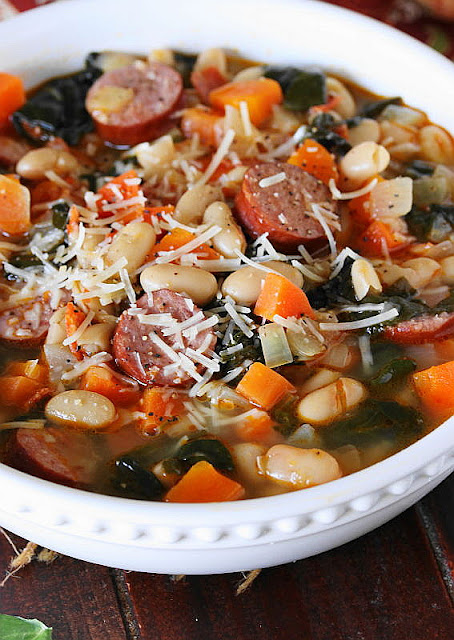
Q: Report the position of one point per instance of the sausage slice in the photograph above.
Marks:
(132, 104)
(421, 329)
(283, 209)
(146, 353)
(58, 454)
(27, 324)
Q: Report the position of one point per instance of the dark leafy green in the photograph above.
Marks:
(302, 89)
(418, 168)
(60, 211)
(374, 419)
(393, 373)
(374, 109)
(134, 481)
(58, 109)
(434, 225)
(210, 450)
(16, 628)
(184, 63)
(284, 413)
(251, 350)
(322, 129)
(338, 290)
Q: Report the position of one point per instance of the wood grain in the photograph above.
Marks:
(77, 599)
(385, 586)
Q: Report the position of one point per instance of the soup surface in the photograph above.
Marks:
(220, 280)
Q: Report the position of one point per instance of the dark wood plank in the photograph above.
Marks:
(77, 599)
(384, 586)
(437, 514)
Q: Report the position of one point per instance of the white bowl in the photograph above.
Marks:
(217, 538)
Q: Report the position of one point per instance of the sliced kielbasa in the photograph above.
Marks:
(27, 324)
(58, 454)
(205, 80)
(139, 112)
(421, 329)
(11, 151)
(142, 349)
(283, 209)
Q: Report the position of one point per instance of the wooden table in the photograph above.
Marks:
(396, 583)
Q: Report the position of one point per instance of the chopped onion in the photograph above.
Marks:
(275, 345)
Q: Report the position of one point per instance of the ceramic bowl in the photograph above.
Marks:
(217, 538)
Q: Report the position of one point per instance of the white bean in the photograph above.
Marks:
(325, 404)
(299, 468)
(368, 130)
(96, 338)
(425, 270)
(231, 238)
(245, 284)
(133, 242)
(192, 204)
(57, 331)
(155, 157)
(77, 408)
(250, 73)
(447, 270)
(364, 278)
(34, 164)
(364, 161)
(319, 379)
(436, 144)
(346, 106)
(245, 457)
(201, 286)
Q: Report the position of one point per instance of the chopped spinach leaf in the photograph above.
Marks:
(322, 129)
(434, 225)
(302, 89)
(211, 450)
(419, 168)
(338, 290)
(58, 109)
(392, 373)
(134, 481)
(60, 211)
(374, 419)
(184, 64)
(374, 109)
(252, 350)
(284, 413)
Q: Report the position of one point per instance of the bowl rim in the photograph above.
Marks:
(408, 461)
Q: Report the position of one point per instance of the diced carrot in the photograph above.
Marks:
(316, 160)
(122, 188)
(259, 95)
(257, 428)
(178, 238)
(435, 387)
(263, 386)
(159, 405)
(360, 207)
(30, 369)
(208, 124)
(12, 96)
(19, 391)
(14, 207)
(73, 221)
(203, 483)
(281, 297)
(378, 239)
(46, 191)
(102, 380)
(73, 319)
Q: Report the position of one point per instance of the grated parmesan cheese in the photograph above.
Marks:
(338, 195)
(272, 180)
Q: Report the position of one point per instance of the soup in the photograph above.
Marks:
(221, 280)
